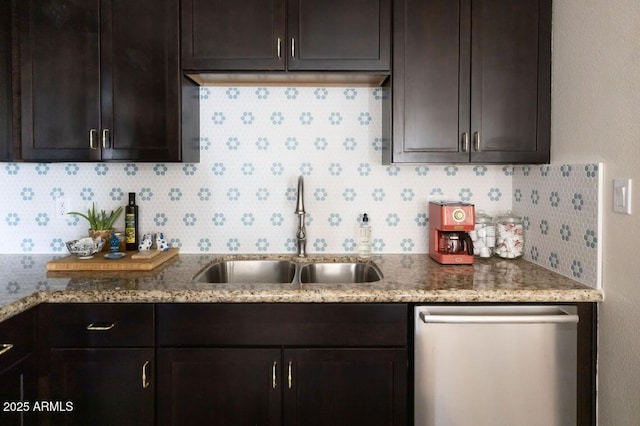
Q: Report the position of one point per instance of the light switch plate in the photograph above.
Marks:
(622, 196)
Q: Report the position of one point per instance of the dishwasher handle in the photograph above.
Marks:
(561, 318)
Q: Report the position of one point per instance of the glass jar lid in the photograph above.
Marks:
(483, 217)
(510, 217)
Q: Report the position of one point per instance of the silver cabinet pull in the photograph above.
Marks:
(145, 382)
(105, 137)
(5, 347)
(465, 142)
(92, 138)
(98, 327)
(279, 47)
(476, 141)
(289, 376)
(274, 380)
(293, 47)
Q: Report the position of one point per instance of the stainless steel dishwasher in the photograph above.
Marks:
(511, 365)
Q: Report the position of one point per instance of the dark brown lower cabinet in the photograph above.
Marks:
(17, 393)
(344, 387)
(228, 364)
(17, 370)
(102, 387)
(269, 386)
(282, 364)
(219, 386)
(100, 367)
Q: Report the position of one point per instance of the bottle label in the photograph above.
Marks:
(130, 228)
(114, 244)
(364, 241)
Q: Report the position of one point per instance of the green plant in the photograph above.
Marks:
(101, 220)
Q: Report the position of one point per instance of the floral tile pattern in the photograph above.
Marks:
(560, 206)
(255, 142)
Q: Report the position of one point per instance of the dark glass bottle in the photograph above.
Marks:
(131, 223)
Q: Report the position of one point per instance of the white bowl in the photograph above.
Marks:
(85, 248)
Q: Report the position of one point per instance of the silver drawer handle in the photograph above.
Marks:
(274, 378)
(498, 319)
(92, 139)
(476, 140)
(145, 382)
(105, 138)
(97, 327)
(5, 347)
(465, 142)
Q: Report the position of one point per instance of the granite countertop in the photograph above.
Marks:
(25, 282)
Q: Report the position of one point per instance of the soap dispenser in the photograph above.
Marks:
(364, 237)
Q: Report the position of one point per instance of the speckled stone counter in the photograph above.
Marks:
(24, 282)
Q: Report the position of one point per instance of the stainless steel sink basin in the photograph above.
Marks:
(347, 272)
(249, 271)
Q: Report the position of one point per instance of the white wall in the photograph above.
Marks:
(596, 117)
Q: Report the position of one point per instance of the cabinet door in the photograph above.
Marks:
(140, 80)
(60, 79)
(17, 394)
(105, 386)
(471, 81)
(511, 81)
(431, 81)
(17, 370)
(345, 387)
(339, 35)
(219, 387)
(5, 82)
(233, 35)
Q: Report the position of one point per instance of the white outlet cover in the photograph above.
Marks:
(63, 205)
(622, 196)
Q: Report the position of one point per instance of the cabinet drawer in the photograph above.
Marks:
(100, 325)
(16, 338)
(282, 324)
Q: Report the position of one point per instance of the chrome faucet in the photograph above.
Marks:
(301, 234)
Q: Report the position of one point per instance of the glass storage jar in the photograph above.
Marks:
(483, 235)
(509, 236)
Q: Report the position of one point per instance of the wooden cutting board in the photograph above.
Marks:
(133, 261)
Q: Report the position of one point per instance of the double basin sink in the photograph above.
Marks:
(286, 271)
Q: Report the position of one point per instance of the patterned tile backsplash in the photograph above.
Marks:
(561, 207)
(255, 142)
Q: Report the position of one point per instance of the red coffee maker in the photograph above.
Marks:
(449, 224)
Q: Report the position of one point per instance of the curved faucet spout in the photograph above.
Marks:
(301, 234)
(300, 203)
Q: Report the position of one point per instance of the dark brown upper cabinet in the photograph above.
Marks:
(347, 35)
(276, 35)
(100, 80)
(232, 35)
(471, 82)
(5, 82)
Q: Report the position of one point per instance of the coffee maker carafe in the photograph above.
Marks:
(449, 224)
